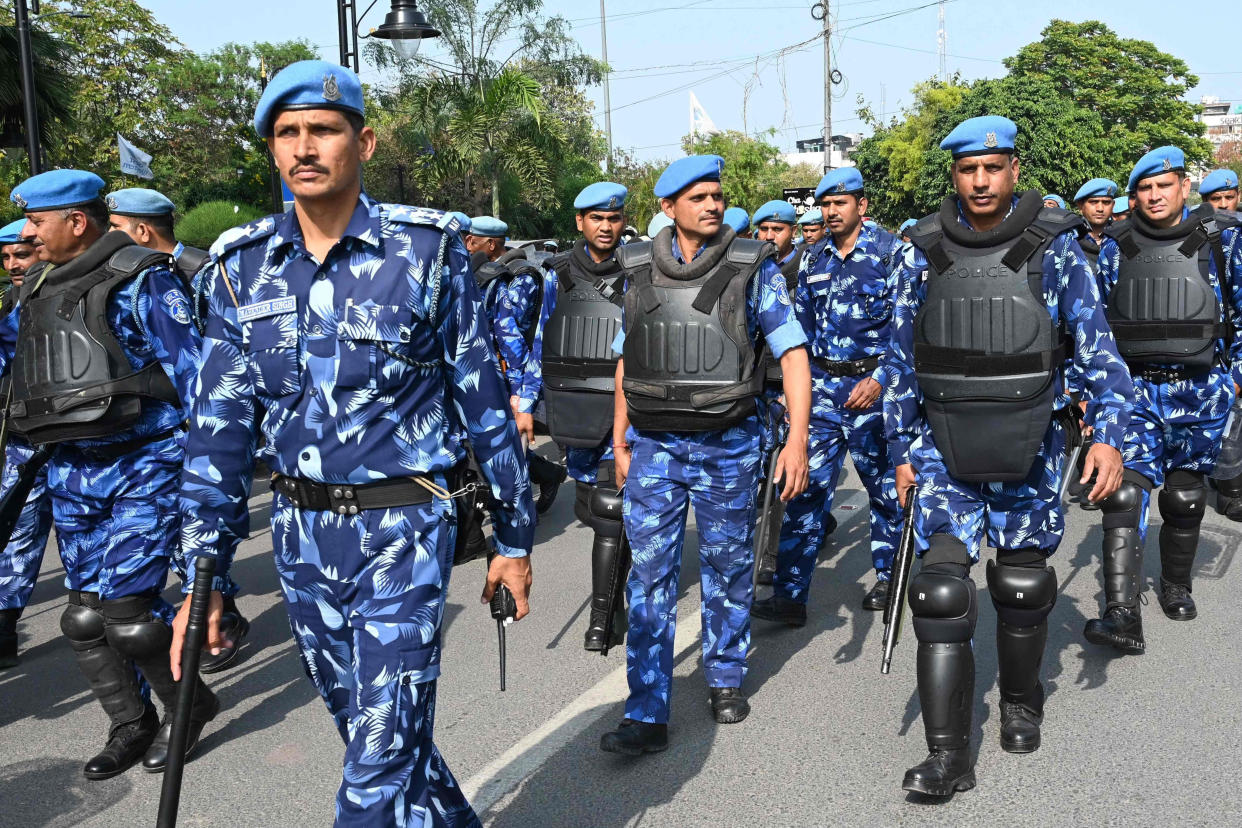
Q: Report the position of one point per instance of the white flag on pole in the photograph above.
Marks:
(133, 160)
(700, 122)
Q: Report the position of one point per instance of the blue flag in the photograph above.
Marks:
(133, 160)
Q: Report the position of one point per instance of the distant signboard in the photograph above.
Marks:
(802, 198)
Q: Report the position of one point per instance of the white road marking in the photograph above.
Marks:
(511, 768)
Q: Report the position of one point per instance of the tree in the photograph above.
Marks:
(639, 177)
(753, 169)
(1136, 89)
(1229, 155)
(53, 92)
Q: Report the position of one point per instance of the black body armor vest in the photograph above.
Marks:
(579, 366)
(71, 378)
(189, 263)
(1163, 309)
(689, 362)
(985, 348)
(1091, 250)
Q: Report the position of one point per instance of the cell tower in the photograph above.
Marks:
(940, 46)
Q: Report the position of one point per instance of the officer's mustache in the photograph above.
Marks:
(308, 166)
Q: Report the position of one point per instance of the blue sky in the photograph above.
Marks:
(663, 49)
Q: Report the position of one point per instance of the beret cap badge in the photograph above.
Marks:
(331, 92)
(1168, 165)
(991, 141)
(19, 201)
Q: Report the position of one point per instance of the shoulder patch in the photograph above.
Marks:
(780, 287)
(237, 237)
(404, 214)
(177, 306)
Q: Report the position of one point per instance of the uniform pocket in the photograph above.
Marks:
(876, 304)
(271, 346)
(385, 714)
(378, 344)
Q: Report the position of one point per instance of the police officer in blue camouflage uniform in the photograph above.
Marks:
(1184, 382)
(905, 226)
(485, 239)
(811, 223)
(975, 411)
(739, 220)
(349, 335)
(146, 216)
(1094, 201)
(1121, 208)
(112, 409)
(573, 368)
(21, 559)
(686, 433)
(844, 301)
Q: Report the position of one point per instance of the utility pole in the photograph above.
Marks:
(827, 20)
(603, 34)
(941, 42)
(31, 112)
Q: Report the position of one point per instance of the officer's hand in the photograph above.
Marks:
(1087, 430)
(864, 394)
(1104, 462)
(905, 482)
(791, 466)
(515, 573)
(621, 463)
(526, 426)
(214, 640)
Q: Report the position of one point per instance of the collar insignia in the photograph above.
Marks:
(331, 92)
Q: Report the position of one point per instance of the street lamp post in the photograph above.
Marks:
(33, 151)
(404, 25)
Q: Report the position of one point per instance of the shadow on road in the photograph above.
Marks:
(24, 788)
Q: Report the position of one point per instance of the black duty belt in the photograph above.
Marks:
(350, 499)
(848, 368)
(1160, 374)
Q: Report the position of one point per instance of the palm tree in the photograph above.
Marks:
(54, 87)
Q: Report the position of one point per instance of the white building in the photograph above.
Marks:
(1223, 120)
(811, 151)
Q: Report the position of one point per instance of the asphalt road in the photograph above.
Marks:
(1152, 739)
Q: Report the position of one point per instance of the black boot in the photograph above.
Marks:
(8, 636)
(1121, 625)
(780, 609)
(877, 598)
(233, 628)
(156, 757)
(548, 476)
(1020, 650)
(729, 706)
(1177, 559)
(766, 568)
(126, 745)
(603, 560)
(946, 676)
(635, 738)
(1229, 498)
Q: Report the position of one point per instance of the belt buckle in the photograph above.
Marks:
(342, 499)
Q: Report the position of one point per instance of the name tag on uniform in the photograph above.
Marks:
(271, 307)
(818, 277)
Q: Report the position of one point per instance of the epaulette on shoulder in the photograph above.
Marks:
(425, 216)
(241, 236)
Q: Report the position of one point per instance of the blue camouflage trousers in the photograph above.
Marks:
(1024, 514)
(835, 431)
(117, 521)
(716, 472)
(582, 464)
(1176, 425)
(365, 596)
(21, 559)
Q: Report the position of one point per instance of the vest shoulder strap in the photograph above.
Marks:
(635, 254)
(133, 259)
(743, 258)
(927, 235)
(745, 252)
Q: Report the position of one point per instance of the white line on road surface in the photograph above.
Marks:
(507, 771)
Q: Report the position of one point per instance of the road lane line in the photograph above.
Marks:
(511, 768)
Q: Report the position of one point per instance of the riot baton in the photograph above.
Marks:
(894, 608)
(15, 498)
(191, 651)
(765, 517)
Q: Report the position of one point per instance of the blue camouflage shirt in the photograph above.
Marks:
(375, 364)
(1228, 294)
(516, 313)
(1072, 299)
(845, 304)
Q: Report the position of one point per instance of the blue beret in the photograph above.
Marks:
(1121, 204)
(683, 172)
(56, 190)
(906, 225)
(774, 210)
(1097, 188)
(308, 84)
(1054, 197)
(985, 135)
(812, 216)
(1157, 162)
(1218, 180)
(11, 233)
(658, 222)
(840, 182)
(602, 195)
(488, 227)
(463, 221)
(138, 201)
(736, 218)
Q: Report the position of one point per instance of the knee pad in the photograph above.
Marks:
(945, 549)
(582, 501)
(1122, 508)
(1183, 499)
(80, 622)
(132, 629)
(606, 512)
(942, 605)
(1023, 595)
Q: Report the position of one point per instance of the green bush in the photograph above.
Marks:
(204, 224)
